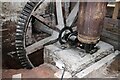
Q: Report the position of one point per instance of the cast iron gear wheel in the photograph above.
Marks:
(36, 10)
(41, 13)
(22, 25)
(23, 19)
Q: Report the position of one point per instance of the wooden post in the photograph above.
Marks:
(116, 10)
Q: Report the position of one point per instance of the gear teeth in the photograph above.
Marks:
(27, 10)
(29, 6)
(19, 30)
(19, 45)
(21, 55)
(25, 13)
(19, 34)
(23, 63)
(19, 24)
(23, 16)
(23, 60)
(19, 37)
(20, 51)
(19, 48)
(22, 21)
(20, 27)
(19, 41)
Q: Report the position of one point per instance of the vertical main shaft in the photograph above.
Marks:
(90, 21)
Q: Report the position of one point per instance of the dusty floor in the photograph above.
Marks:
(43, 71)
(115, 66)
(47, 71)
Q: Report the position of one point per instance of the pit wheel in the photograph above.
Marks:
(38, 19)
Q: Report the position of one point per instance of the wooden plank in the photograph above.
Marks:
(112, 42)
(111, 21)
(42, 27)
(39, 45)
(97, 65)
(36, 46)
(108, 34)
(40, 18)
(66, 6)
(42, 7)
(1, 30)
(110, 5)
(59, 11)
(72, 15)
(29, 34)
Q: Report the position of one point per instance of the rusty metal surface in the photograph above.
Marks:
(90, 21)
(87, 39)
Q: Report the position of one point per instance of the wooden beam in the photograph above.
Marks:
(41, 27)
(39, 45)
(59, 14)
(97, 65)
(72, 15)
(110, 21)
(40, 18)
(116, 10)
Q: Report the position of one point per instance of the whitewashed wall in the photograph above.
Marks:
(10, 10)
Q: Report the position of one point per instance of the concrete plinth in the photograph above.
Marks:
(75, 60)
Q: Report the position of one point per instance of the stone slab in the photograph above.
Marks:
(74, 59)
